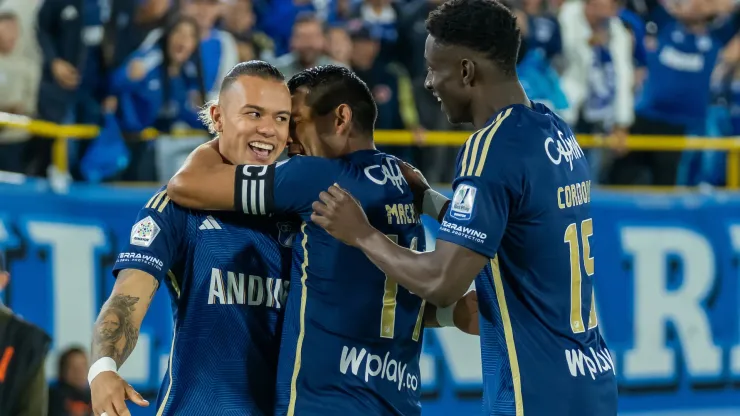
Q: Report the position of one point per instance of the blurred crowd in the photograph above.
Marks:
(609, 67)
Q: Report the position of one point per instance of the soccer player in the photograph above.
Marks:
(352, 338)
(227, 276)
(520, 211)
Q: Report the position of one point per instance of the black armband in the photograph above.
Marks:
(253, 189)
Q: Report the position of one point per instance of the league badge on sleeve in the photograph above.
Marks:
(463, 202)
(144, 232)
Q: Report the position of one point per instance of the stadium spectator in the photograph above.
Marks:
(18, 81)
(339, 45)
(381, 17)
(76, 38)
(160, 85)
(391, 89)
(543, 29)
(239, 20)
(598, 74)
(218, 48)
(70, 396)
(307, 46)
(23, 348)
(682, 45)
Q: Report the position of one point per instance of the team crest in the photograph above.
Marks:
(463, 202)
(286, 234)
(144, 232)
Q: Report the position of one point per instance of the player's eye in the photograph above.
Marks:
(253, 114)
(282, 119)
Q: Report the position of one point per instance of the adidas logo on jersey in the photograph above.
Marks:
(210, 223)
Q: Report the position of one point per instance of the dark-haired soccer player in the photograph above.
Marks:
(520, 211)
(227, 276)
(352, 337)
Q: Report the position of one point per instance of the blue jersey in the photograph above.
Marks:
(679, 66)
(352, 337)
(228, 279)
(522, 199)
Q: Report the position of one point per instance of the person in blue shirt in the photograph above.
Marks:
(160, 84)
(345, 319)
(227, 276)
(520, 213)
(681, 53)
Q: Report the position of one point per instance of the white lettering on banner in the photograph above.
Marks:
(268, 291)
(389, 170)
(384, 367)
(655, 305)
(595, 362)
(74, 288)
(455, 344)
(564, 147)
(735, 351)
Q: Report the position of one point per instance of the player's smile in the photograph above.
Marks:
(262, 150)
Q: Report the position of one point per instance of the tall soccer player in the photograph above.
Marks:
(352, 338)
(520, 211)
(227, 276)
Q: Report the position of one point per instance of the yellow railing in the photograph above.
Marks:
(61, 134)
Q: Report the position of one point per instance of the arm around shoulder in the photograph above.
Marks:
(204, 181)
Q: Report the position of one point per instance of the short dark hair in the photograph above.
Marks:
(307, 17)
(485, 26)
(64, 359)
(253, 68)
(331, 85)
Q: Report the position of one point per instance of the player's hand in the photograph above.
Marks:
(465, 315)
(339, 213)
(417, 182)
(109, 394)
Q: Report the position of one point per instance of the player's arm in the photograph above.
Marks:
(462, 314)
(154, 244)
(205, 181)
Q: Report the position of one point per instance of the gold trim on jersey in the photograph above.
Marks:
(471, 155)
(302, 323)
(173, 281)
(162, 406)
(159, 201)
(509, 336)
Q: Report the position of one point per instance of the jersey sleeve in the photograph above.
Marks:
(155, 238)
(287, 187)
(484, 191)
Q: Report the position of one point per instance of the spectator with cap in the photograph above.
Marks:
(70, 395)
(307, 47)
(23, 349)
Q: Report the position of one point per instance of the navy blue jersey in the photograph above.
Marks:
(352, 336)
(228, 277)
(522, 198)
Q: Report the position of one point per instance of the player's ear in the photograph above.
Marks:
(467, 71)
(217, 118)
(343, 118)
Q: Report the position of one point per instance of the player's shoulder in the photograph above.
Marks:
(160, 204)
(313, 165)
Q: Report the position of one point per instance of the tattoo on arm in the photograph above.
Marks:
(115, 333)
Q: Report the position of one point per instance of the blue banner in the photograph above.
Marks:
(668, 296)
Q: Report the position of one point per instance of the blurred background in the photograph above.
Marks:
(98, 106)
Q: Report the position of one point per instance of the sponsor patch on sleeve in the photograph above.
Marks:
(144, 232)
(463, 202)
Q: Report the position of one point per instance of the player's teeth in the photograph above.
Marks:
(261, 145)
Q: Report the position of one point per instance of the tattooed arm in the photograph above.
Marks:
(115, 334)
